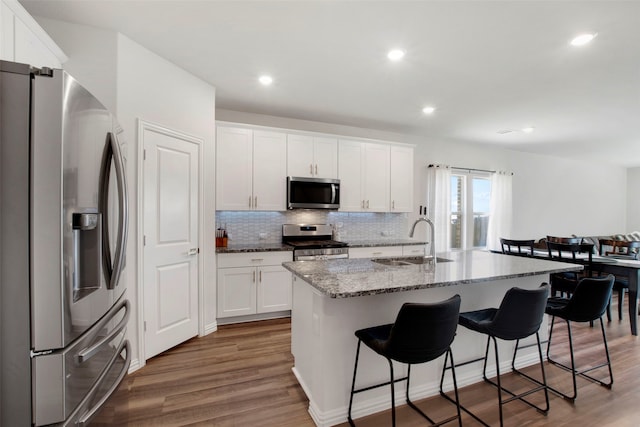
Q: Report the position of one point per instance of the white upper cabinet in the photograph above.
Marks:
(253, 162)
(401, 174)
(312, 156)
(234, 169)
(250, 169)
(363, 169)
(350, 174)
(23, 40)
(269, 171)
(376, 177)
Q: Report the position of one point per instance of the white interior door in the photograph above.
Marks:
(171, 208)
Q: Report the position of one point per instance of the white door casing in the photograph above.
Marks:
(171, 224)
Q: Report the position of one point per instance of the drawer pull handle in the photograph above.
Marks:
(257, 259)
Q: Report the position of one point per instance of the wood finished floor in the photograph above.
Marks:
(241, 376)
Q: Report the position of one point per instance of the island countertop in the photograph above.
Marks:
(344, 278)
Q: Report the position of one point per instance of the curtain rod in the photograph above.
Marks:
(460, 168)
(466, 169)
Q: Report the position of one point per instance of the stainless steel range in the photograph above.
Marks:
(313, 242)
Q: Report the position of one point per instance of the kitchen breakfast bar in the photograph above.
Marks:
(332, 299)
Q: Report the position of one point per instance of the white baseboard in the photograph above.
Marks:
(211, 327)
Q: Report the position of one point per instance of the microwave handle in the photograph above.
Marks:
(333, 193)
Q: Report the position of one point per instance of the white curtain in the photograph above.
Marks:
(439, 208)
(501, 217)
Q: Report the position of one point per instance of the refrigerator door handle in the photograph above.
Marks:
(112, 152)
(88, 415)
(87, 353)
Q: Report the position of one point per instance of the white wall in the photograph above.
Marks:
(135, 84)
(633, 201)
(152, 89)
(92, 57)
(552, 195)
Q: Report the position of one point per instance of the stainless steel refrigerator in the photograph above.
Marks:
(63, 232)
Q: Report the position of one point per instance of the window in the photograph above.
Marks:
(470, 201)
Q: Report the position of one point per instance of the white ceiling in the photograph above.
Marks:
(486, 65)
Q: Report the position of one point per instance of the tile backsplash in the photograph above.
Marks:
(250, 227)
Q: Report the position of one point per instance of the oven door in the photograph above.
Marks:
(320, 254)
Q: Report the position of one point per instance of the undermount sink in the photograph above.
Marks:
(395, 262)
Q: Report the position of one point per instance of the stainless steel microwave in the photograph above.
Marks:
(313, 193)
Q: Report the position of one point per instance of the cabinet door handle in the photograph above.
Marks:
(367, 204)
(249, 201)
(393, 204)
(254, 276)
(376, 253)
(257, 259)
(260, 280)
(316, 169)
(310, 168)
(363, 204)
(255, 202)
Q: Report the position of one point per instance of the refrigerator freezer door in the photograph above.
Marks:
(68, 379)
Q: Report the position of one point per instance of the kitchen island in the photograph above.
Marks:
(332, 299)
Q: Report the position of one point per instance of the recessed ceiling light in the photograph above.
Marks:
(428, 110)
(395, 54)
(527, 130)
(266, 80)
(583, 39)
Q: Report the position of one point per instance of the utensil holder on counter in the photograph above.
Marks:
(221, 238)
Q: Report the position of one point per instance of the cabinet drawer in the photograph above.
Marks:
(413, 250)
(253, 259)
(375, 252)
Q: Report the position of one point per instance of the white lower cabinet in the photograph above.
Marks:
(253, 283)
(413, 250)
(376, 252)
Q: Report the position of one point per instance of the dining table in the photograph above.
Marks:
(621, 266)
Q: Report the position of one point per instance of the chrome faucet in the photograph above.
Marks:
(432, 230)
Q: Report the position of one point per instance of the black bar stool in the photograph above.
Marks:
(519, 316)
(588, 303)
(421, 333)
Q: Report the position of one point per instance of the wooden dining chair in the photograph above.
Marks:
(517, 247)
(609, 247)
(566, 282)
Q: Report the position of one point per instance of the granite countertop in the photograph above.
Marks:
(255, 247)
(386, 242)
(344, 278)
(268, 247)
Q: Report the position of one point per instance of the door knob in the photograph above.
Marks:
(193, 251)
